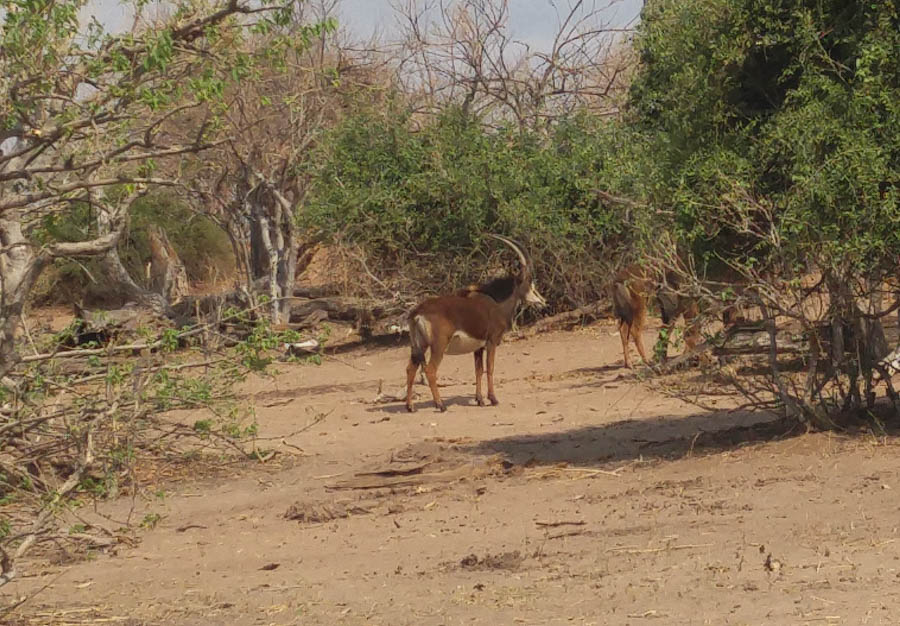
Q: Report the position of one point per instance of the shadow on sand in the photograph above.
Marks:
(661, 437)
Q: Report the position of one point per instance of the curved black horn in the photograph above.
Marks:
(523, 257)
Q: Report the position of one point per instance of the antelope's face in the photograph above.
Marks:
(532, 296)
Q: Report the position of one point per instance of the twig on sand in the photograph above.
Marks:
(568, 533)
(690, 451)
(646, 614)
(284, 442)
(318, 418)
(587, 473)
(334, 357)
(279, 588)
(187, 527)
(583, 472)
(636, 550)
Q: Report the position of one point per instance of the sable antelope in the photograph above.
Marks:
(630, 289)
(473, 319)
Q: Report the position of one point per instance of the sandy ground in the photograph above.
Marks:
(583, 498)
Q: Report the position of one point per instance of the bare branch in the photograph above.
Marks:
(469, 58)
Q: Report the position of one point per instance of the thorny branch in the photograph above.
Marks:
(83, 430)
(48, 509)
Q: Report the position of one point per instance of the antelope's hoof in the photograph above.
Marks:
(442, 408)
(494, 400)
(409, 407)
(479, 400)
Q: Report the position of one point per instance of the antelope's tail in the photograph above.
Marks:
(418, 338)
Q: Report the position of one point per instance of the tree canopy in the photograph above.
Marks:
(774, 123)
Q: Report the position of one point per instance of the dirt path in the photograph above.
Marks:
(583, 498)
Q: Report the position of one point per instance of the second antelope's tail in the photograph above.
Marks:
(623, 303)
(418, 338)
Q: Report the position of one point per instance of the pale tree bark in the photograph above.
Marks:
(258, 218)
(168, 276)
(22, 262)
(90, 120)
(83, 125)
(274, 257)
(20, 267)
(121, 281)
(254, 183)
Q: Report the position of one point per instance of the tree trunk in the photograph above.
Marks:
(120, 280)
(874, 343)
(21, 264)
(168, 277)
(273, 252)
(20, 267)
(240, 246)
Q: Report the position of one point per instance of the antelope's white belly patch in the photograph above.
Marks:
(461, 343)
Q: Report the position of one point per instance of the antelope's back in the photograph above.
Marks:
(474, 314)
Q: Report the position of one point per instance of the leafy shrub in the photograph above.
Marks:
(203, 247)
(420, 201)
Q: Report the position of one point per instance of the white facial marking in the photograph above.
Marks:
(533, 297)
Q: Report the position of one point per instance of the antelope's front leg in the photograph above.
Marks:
(479, 370)
(491, 351)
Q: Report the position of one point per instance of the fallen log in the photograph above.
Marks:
(565, 320)
(345, 309)
(102, 326)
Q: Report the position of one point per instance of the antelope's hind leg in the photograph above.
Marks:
(639, 342)
(479, 371)
(431, 374)
(491, 352)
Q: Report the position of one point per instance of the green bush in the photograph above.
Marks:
(773, 143)
(203, 247)
(420, 201)
(766, 111)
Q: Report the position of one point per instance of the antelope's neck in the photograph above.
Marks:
(508, 308)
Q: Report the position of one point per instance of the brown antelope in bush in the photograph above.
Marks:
(473, 319)
(630, 290)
